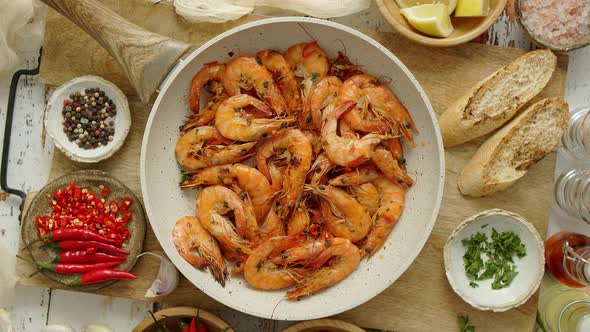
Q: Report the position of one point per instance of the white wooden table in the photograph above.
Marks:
(30, 161)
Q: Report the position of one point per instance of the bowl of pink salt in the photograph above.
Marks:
(556, 24)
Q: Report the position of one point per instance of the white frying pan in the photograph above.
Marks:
(147, 58)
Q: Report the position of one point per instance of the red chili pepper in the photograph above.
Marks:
(76, 233)
(77, 245)
(71, 268)
(192, 327)
(100, 276)
(82, 256)
(201, 327)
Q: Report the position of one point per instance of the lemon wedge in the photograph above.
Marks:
(432, 19)
(470, 8)
(451, 4)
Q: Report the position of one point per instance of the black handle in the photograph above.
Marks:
(8, 132)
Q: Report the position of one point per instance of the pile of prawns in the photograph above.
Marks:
(329, 179)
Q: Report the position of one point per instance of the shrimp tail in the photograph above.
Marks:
(344, 108)
(308, 286)
(218, 271)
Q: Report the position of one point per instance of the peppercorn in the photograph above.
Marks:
(88, 118)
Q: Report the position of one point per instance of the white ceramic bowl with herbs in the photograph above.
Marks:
(515, 279)
(115, 126)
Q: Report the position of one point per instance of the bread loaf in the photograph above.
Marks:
(508, 154)
(496, 99)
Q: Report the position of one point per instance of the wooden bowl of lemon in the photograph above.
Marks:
(441, 23)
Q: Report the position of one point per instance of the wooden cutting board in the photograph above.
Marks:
(421, 300)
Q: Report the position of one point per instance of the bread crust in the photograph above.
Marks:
(460, 123)
(475, 179)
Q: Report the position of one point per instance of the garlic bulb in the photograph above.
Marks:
(218, 11)
(167, 279)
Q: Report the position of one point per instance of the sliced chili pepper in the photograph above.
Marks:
(100, 276)
(82, 208)
(81, 256)
(77, 245)
(126, 203)
(114, 206)
(71, 268)
(127, 215)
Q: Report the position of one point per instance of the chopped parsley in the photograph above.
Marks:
(498, 250)
(464, 325)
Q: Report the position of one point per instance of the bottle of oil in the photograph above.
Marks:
(563, 309)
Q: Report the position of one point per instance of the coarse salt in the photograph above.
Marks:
(558, 22)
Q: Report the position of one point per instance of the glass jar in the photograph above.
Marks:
(563, 309)
(576, 139)
(572, 193)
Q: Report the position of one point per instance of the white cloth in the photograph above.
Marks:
(21, 25)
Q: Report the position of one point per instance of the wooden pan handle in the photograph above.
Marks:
(146, 57)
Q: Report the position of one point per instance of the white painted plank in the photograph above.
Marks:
(80, 309)
(28, 170)
(29, 311)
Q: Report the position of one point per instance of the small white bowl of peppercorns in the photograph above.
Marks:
(88, 119)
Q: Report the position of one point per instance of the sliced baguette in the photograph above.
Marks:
(496, 99)
(507, 155)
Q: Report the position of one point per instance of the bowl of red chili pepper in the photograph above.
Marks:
(183, 319)
(84, 229)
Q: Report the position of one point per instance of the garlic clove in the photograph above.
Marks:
(167, 279)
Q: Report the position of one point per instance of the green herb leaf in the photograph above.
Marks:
(499, 250)
(464, 325)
